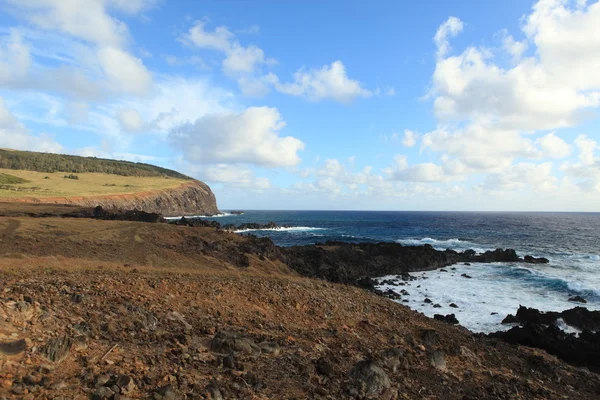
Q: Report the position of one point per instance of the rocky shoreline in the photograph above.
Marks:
(111, 308)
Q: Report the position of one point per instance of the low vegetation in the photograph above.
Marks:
(6, 179)
(46, 162)
(15, 184)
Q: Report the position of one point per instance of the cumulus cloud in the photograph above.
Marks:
(521, 176)
(481, 146)
(130, 120)
(15, 58)
(553, 146)
(410, 138)
(84, 19)
(250, 137)
(125, 71)
(452, 27)
(14, 135)
(515, 48)
(551, 90)
(238, 58)
(486, 111)
(328, 82)
(236, 176)
(424, 172)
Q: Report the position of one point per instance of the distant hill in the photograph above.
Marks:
(29, 177)
(47, 162)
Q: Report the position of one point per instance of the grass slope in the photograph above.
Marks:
(46, 162)
(16, 184)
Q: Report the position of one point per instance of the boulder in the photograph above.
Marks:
(372, 378)
(578, 299)
(449, 319)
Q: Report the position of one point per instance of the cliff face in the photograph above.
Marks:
(192, 198)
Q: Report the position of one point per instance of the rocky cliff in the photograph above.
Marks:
(191, 198)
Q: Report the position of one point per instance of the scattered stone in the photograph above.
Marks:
(427, 300)
(57, 349)
(373, 379)
(453, 305)
(13, 349)
(430, 337)
(438, 360)
(392, 358)
(126, 384)
(102, 380)
(103, 393)
(324, 367)
(214, 392)
(437, 305)
(229, 342)
(229, 361)
(270, 348)
(466, 276)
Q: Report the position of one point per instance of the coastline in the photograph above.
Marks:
(224, 309)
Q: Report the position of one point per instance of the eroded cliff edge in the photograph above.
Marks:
(191, 198)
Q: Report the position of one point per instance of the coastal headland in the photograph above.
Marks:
(95, 304)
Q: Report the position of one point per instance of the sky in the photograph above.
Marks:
(337, 105)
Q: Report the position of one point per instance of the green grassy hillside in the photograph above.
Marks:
(46, 162)
(25, 174)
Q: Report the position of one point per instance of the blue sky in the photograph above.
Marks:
(437, 105)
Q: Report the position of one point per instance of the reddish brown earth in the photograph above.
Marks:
(133, 310)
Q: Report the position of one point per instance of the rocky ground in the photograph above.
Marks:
(115, 310)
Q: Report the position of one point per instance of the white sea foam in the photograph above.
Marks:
(454, 244)
(494, 291)
(202, 216)
(283, 229)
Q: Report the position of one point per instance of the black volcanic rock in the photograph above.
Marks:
(450, 318)
(578, 299)
(533, 260)
(578, 317)
(582, 350)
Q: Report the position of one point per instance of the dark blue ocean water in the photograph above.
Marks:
(571, 241)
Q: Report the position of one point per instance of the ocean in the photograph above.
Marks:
(571, 241)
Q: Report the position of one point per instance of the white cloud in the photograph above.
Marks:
(238, 59)
(219, 40)
(554, 89)
(521, 176)
(15, 58)
(553, 147)
(14, 135)
(424, 172)
(516, 49)
(250, 137)
(410, 138)
(452, 27)
(588, 166)
(243, 59)
(233, 175)
(130, 120)
(481, 146)
(329, 82)
(84, 19)
(125, 71)
(131, 6)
